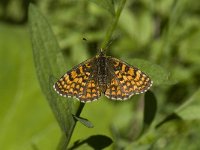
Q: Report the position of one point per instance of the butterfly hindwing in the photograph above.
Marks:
(91, 91)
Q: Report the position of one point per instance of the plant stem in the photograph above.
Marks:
(64, 142)
(65, 139)
(113, 25)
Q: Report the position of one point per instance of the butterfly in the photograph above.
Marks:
(105, 75)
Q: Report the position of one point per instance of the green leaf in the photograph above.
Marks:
(23, 111)
(138, 146)
(190, 110)
(84, 121)
(49, 61)
(157, 73)
(150, 108)
(106, 4)
(97, 142)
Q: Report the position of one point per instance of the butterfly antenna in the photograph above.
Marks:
(103, 50)
(110, 42)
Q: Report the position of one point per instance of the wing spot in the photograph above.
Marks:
(77, 86)
(125, 78)
(80, 80)
(88, 95)
(118, 92)
(81, 69)
(123, 67)
(76, 79)
(113, 93)
(89, 90)
(73, 85)
(71, 90)
(93, 85)
(128, 83)
(117, 72)
(143, 78)
(81, 89)
(73, 74)
(94, 95)
(129, 77)
(87, 73)
(116, 63)
(141, 82)
(131, 72)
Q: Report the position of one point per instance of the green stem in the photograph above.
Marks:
(113, 25)
(64, 141)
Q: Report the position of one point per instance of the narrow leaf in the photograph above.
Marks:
(84, 121)
(97, 142)
(45, 53)
(150, 108)
(189, 110)
(106, 4)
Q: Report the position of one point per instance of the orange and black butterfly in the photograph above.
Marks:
(102, 74)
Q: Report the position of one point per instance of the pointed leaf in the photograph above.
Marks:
(106, 4)
(150, 108)
(49, 62)
(191, 108)
(97, 142)
(84, 121)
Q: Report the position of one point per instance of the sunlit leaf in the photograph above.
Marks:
(190, 110)
(84, 121)
(45, 50)
(106, 4)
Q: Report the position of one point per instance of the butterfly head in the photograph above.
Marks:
(101, 53)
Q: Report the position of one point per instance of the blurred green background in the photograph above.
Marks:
(164, 32)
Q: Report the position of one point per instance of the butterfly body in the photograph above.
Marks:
(105, 75)
(102, 71)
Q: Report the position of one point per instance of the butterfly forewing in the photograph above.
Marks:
(79, 83)
(127, 80)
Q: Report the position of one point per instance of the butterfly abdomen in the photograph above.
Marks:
(102, 72)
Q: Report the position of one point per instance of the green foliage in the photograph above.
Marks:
(190, 109)
(106, 4)
(84, 121)
(26, 120)
(159, 37)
